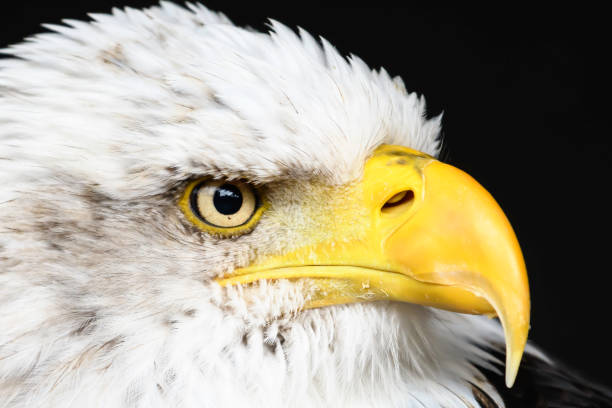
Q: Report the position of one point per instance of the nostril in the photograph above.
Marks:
(399, 199)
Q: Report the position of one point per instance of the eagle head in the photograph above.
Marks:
(194, 214)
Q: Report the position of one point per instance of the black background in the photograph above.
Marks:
(525, 113)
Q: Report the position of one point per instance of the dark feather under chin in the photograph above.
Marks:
(542, 385)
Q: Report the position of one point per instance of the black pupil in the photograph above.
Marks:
(227, 199)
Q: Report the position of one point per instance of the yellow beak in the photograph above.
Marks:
(417, 231)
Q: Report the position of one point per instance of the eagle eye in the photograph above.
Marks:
(222, 207)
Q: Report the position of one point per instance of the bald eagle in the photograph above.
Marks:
(194, 214)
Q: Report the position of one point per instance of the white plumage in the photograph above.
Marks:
(107, 295)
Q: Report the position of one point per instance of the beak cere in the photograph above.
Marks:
(430, 235)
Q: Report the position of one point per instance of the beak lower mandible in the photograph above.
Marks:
(460, 237)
